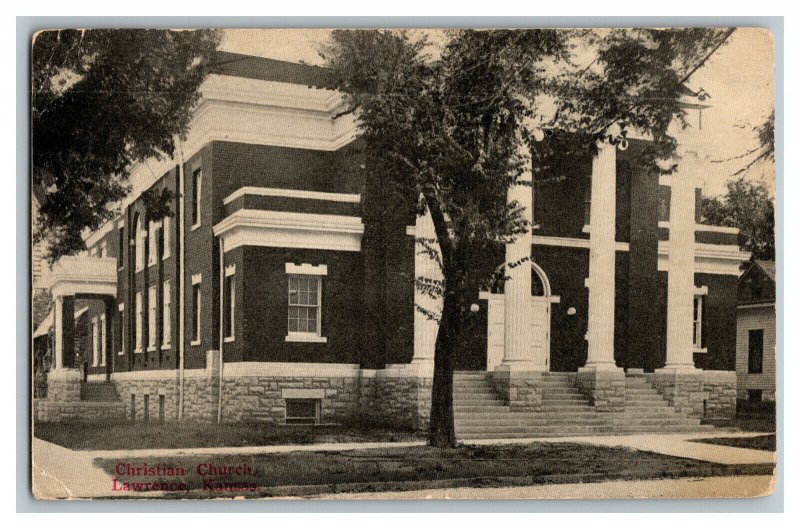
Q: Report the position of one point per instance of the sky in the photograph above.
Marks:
(739, 77)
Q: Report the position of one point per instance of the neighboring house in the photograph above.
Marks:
(285, 263)
(755, 333)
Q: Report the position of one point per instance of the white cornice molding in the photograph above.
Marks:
(705, 228)
(73, 275)
(353, 198)
(282, 229)
(719, 259)
(573, 242)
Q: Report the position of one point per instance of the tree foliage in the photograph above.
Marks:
(449, 129)
(100, 101)
(746, 205)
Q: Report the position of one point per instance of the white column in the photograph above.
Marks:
(425, 329)
(59, 332)
(518, 354)
(602, 259)
(680, 272)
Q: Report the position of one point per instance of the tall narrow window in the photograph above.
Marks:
(165, 238)
(304, 304)
(697, 323)
(166, 319)
(95, 342)
(196, 306)
(755, 351)
(230, 304)
(152, 311)
(198, 193)
(140, 235)
(152, 246)
(103, 331)
(139, 322)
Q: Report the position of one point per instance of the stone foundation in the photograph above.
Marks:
(605, 388)
(698, 393)
(522, 390)
(64, 385)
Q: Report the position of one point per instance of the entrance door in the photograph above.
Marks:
(495, 329)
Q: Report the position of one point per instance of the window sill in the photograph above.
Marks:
(306, 337)
(165, 257)
(194, 227)
(152, 263)
(120, 353)
(138, 351)
(151, 349)
(195, 342)
(229, 339)
(586, 229)
(700, 350)
(165, 347)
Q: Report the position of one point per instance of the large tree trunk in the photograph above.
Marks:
(442, 428)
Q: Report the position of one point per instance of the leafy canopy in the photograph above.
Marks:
(100, 101)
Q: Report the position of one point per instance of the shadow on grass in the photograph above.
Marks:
(760, 442)
(78, 435)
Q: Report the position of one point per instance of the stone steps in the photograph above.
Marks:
(565, 411)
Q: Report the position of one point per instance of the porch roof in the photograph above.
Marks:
(76, 275)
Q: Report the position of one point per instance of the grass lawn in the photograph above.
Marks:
(750, 417)
(761, 442)
(126, 435)
(400, 469)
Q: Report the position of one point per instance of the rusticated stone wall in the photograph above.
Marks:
(710, 394)
(521, 389)
(604, 388)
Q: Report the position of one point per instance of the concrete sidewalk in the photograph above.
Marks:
(59, 472)
(715, 487)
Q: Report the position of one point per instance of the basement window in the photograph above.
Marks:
(302, 411)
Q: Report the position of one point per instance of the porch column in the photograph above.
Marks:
(680, 273)
(517, 353)
(425, 329)
(64, 321)
(109, 344)
(602, 259)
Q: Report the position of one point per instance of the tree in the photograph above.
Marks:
(764, 151)
(100, 101)
(449, 130)
(746, 205)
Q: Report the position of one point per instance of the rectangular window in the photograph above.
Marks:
(697, 324)
(230, 305)
(305, 301)
(165, 238)
(103, 339)
(166, 321)
(755, 351)
(754, 395)
(198, 193)
(95, 342)
(139, 323)
(152, 312)
(152, 243)
(302, 411)
(196, 302)
(587, 203)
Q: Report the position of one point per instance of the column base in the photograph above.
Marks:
(525, 366)
(604, 385)
(522, 390)
(64, 385)
(683, 387)
(675, 369)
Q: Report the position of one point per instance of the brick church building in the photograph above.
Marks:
(281, 286)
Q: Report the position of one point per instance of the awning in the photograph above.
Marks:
(47, 323)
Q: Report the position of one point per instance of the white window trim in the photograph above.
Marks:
(306, 269)
(699, 292)
(166, 315)
(152, 314)
(95, 341)
(197, 197)
(198, 310)
(166, 236)
(152, 243)
(121, 329)
(138, 339)
(197, 278)
(318, 271)
(103, 338)
(230, 271)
